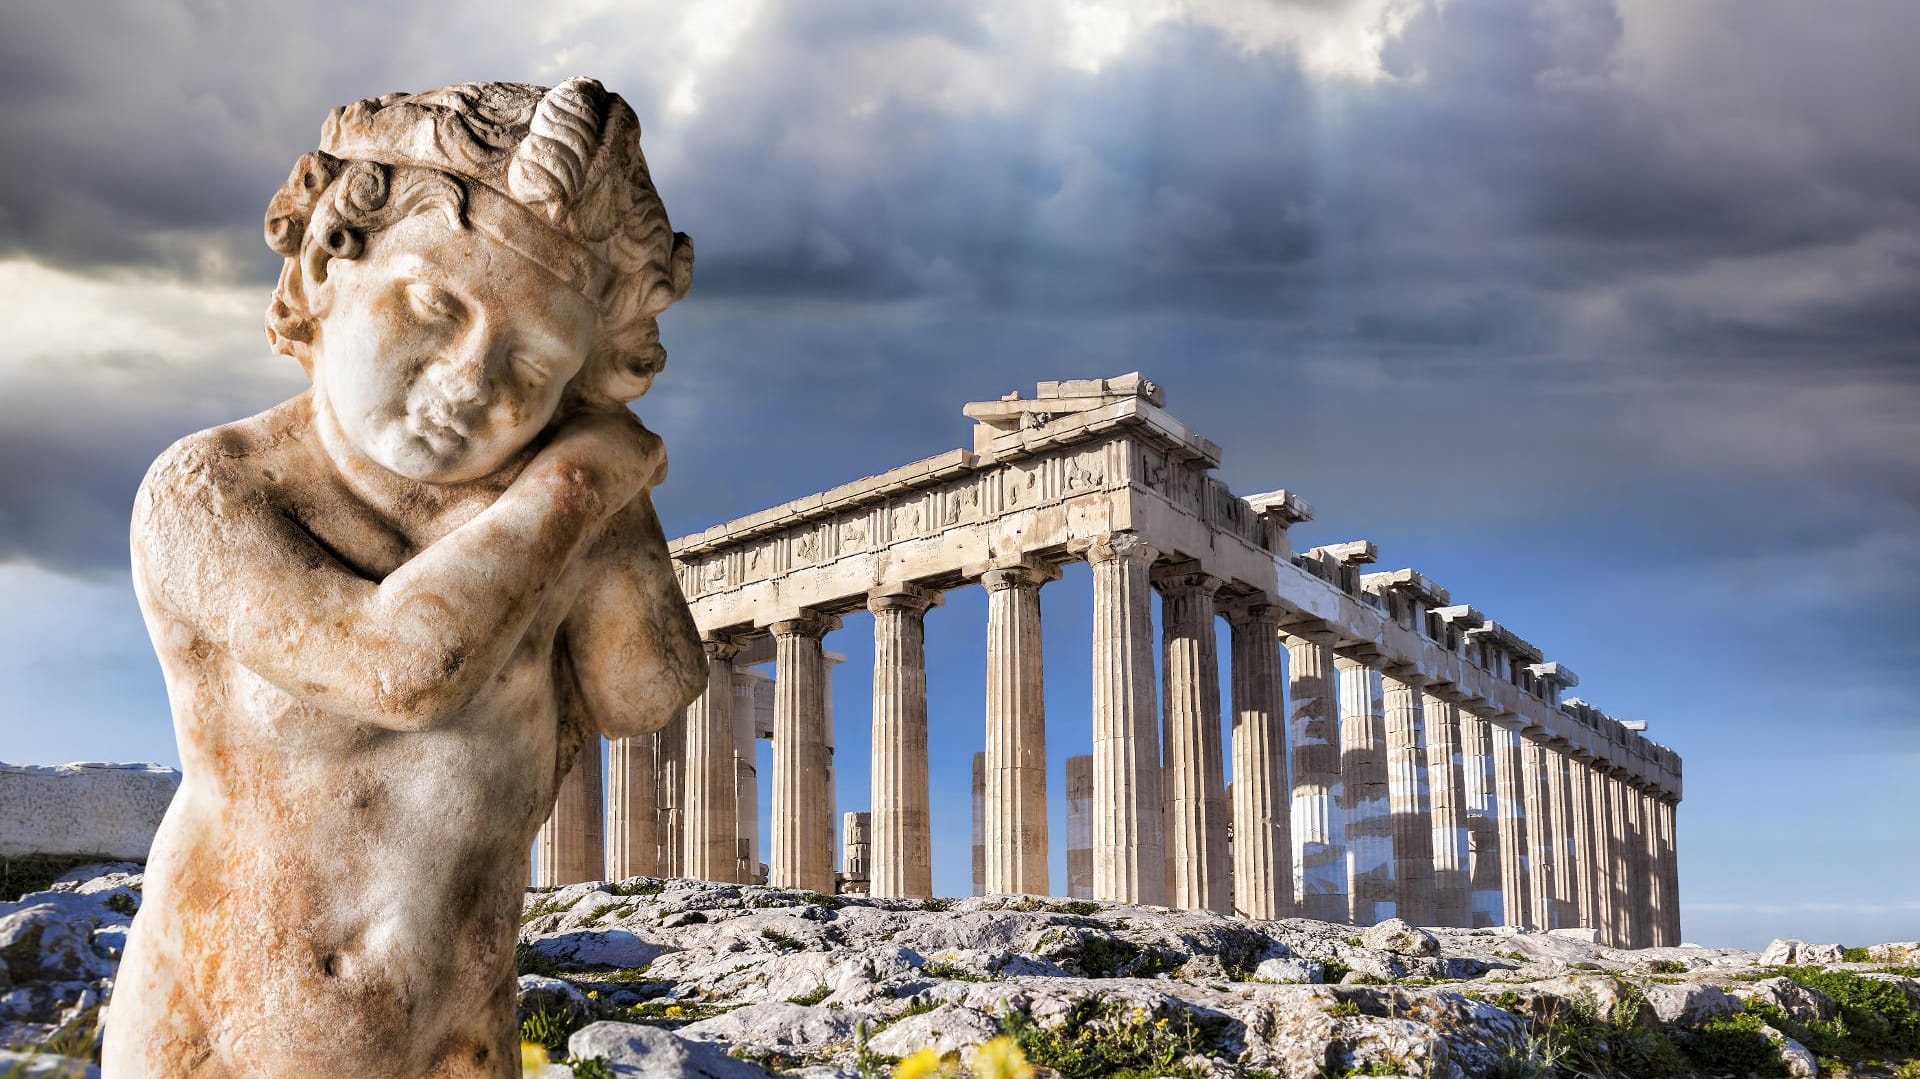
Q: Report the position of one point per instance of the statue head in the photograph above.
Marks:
(464, 264)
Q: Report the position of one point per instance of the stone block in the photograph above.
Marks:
(84, 810)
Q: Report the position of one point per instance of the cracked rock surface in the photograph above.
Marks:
(689, 978)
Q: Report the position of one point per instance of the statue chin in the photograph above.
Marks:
(418, 458)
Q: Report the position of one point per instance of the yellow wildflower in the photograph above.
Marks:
(533, 1058)
(593, 994)
(921, 1064)
(1001, 1058)
(1160, 1023)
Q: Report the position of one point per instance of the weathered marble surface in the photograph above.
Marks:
(391, 609)
(83, 810)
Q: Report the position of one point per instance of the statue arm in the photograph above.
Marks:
(635, 649)
(213, 550)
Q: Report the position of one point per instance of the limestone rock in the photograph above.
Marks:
(1797, 1059)
(948, 1028)
(1797, 1001)
(645, 1052)
(1820, 954)
(774, 1026)
(1690, 1005)
(1291, 971)
(536, 992)
(16, 1064)
(1783, 952)
(1399, 938)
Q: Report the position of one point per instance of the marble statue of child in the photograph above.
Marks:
(390, 610)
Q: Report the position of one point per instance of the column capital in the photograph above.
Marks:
(1110, 546)
(1249, 609)
(1184, 576)
(1014, 574)
(903, 597)
(721, 646)
(807, 623)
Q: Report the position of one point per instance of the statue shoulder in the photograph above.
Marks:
(216, 473)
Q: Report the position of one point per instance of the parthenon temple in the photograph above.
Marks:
(1438, 773)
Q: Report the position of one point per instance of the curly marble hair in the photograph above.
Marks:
(569, 157)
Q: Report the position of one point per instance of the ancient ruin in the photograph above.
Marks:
(1439, 773)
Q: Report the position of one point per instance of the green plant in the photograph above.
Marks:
(1105, 1039)
(816, 899)
(1335, 971)
(1667, 966)
(546, 905)
(1078, 907)
(1877, 1017)
(1116, 957)
(1855, 955)
(812, 996)
(1733, 1044)
(602, 910)
(123, 903)
(1344, 1008)
(637, 886)
(781, 941)
(590, 1067)
(936, 904)
(940, 968)
(551, 1028)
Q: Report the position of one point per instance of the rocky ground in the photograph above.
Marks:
(658, 978)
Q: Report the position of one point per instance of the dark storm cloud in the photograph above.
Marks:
(1575, 246)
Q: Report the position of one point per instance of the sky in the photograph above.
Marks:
(1602, 313)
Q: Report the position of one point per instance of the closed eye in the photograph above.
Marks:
(432, 304)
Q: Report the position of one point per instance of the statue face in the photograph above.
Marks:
(442, 352)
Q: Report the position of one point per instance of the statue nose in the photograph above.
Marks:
(464, 377)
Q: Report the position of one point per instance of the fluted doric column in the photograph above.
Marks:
(1129, 861)
(1619, 837)
(1478, 785)
(1446, 780)
(1565, 883)
(856, 843)
(1666, 809)
(1195, 774)
(1363, 777)
(1080, 827)
(902, 853)
(746, 775)
(1656, 912)
(802, 834)
(1599, 816)
(979, 824)
(712, 827)
(1538, 792)
(669, 764)
(1262, 832)
(571, 845)
(1016, 817)
(1509, 773)
(1585, 877)
(1313, 736)
(632, 845)
(1641, 888)
(1409, 797)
